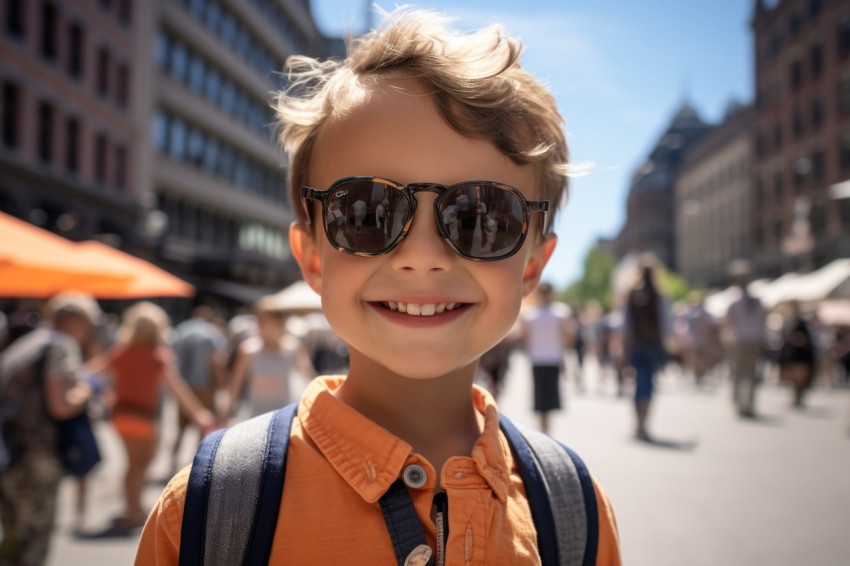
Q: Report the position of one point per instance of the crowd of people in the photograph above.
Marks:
(645, 333)
(69, 357)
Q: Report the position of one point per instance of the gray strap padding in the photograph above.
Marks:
(565, 495)
(234, 491)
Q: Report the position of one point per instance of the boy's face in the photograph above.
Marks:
(397, 133)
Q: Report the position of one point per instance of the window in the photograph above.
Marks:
(195, 148)
(228, 96)
(228, 30)
(211, 149)
(48, 31)
(777, 232)
(795, 22)
(72, 144)
(844, 93)
(844, 212)
(213, 16)
(777, 137)
(197, 70)
(177, 139)
(121, 167)
(817, 218)
(817, 111)
(102, 71)
(844, 152)
(797, 122)
(759, 145)
(100, 159)
(816, 60)
(75, 50)
(125, 12)
(179, 61)
(45, 132)
(123, 90)
(759, 191)
(777, 185)
(15, 18)
(162, 50)
(818, 165)
(815, 8)
(212, 86)
(844, 37)
(11, 111)
(160, 131)
(796, 74)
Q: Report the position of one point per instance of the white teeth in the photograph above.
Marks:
(414, 309)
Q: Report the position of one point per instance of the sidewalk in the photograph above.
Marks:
(714, 490)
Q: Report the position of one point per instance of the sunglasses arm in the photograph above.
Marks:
(307, 195)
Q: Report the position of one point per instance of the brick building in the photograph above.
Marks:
(145, 124)
(801, 134)
(713, 200)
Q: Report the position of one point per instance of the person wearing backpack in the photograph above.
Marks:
(38, 386)
(404, 460)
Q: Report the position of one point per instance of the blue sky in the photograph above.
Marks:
(619, 69)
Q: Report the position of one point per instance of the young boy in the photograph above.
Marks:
(416, 118)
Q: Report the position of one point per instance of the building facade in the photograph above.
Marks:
(147, 124)
(713, 200)
(801, 134)
(650, 224)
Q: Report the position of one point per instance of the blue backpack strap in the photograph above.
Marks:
(561, 496)
(236, 479)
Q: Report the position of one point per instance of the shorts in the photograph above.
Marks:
(547, 388)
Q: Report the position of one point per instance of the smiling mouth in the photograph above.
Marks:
(415, 309)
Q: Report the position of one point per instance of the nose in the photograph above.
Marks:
(423, 249)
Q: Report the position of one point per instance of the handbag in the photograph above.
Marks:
(78, 450)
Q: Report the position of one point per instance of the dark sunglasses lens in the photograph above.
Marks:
(483, 221)
(366, 216)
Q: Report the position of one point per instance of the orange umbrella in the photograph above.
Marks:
(147, 279)
(35, 263)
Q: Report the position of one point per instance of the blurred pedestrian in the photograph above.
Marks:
(138, 366)
(200, 349)
(647, 323)
(545, 334)
(706, 348)
(797, 356)
(746, 320)
(265, 365)
(39, 385)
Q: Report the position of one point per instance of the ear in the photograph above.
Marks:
(536, 262)
(307, 255)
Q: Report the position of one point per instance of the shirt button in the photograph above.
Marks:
(415, 476)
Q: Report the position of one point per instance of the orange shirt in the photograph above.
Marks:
(340, 464)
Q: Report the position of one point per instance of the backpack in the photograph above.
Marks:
(236, 483)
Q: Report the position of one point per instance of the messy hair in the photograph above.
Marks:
(144, 324)
(476, 81)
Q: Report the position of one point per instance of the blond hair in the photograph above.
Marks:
(144, 324)
(476, 80)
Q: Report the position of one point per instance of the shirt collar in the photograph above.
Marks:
(370, 458)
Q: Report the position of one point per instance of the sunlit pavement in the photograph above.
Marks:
(714, 489)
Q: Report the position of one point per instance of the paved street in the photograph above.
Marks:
(713, 490)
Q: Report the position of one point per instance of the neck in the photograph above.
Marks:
(435, 416)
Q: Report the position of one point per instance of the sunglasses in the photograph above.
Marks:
(369, 216)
